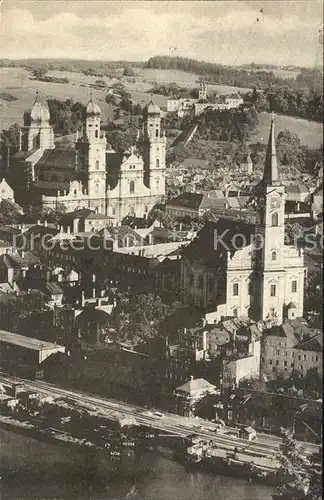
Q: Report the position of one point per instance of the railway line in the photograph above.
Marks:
(173, 424)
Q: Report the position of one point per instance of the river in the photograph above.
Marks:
(34, 469)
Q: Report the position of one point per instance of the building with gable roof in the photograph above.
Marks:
(238, 269)
(91, 175)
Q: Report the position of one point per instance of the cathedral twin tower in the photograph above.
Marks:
(92, 175)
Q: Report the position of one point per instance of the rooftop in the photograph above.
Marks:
(198, 384)
(27, 342)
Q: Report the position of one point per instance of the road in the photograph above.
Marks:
(266, 446)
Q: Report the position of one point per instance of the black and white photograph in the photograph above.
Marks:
(161, 250)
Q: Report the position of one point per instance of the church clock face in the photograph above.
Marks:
(274, 203)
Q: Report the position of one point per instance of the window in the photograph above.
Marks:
(301, 367)
(305, 357)
(113, 211)
(293, 354)
(274, 219)
(235, 289)
(292, 365)
(294, 286)
(157, 163)
(146, 209)
(277, 352)
(316, 359)
(277, 362)
(273, 290)
(132, 187)
(285, 363)
(235, 313)
(274, 256)
(250, 288)
(157, 133)
(97, 164)
(272, 313)
(96, 134)
(286, 354)
(270, 361)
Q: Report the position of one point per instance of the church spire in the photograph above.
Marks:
(270, 174)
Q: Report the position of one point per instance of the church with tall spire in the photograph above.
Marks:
(246, 270)
(91, 175)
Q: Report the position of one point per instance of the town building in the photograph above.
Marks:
(6, 193)
(292, 347)
(26, 350)
(91, 175)
(238, 269)
(190, 393)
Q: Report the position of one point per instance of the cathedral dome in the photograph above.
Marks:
(93, 108)
(152, 109)
(37, 113)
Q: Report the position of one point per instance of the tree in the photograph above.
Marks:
(290, 150)
(158, 215)
(128, 71)
(15, 314)
(141, 317)
(313, 382)
(10, 212)
(300, 477)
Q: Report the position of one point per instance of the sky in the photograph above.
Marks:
(277, 32)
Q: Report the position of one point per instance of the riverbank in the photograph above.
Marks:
(35, 469)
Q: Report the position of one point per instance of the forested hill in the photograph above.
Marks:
(237, 77)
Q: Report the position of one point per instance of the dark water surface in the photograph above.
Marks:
(39, 470)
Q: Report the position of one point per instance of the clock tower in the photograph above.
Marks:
(270, 239)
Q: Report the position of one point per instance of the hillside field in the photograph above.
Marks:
(16, 82)
(310, 133)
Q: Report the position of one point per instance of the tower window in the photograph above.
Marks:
(132, 187)
(157, 133)
(113, 211)
(157, 163)
(235, 289)
(97, 164)
(294, 286)
(274, 256)
(250, 288)
(96, 134)
(274, 219)
(273, 290)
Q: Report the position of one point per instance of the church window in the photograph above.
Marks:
(250, 288)
(132, 187)
(157, 133)
(96, 134)
(75, 192)
(273, 290)
(97, 164)
(235, 289)
(274, 256)
(157, 163)
(146, 209)
(235, 312)
(157, 183)
(274, 219)
(294, 286)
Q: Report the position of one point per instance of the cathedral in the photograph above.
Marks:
(236, 269)
(92, 175)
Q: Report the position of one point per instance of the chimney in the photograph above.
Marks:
(45, 223)
(191, 377)
(205, 341)
(150, 239)
(93, 278)
(38, 223)
(204, 322)
(82, 299)
(185, 330)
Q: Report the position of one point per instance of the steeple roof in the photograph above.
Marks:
(37, 113)
(270, 174)
(93, 108)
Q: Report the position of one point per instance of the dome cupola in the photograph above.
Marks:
(37, 114)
